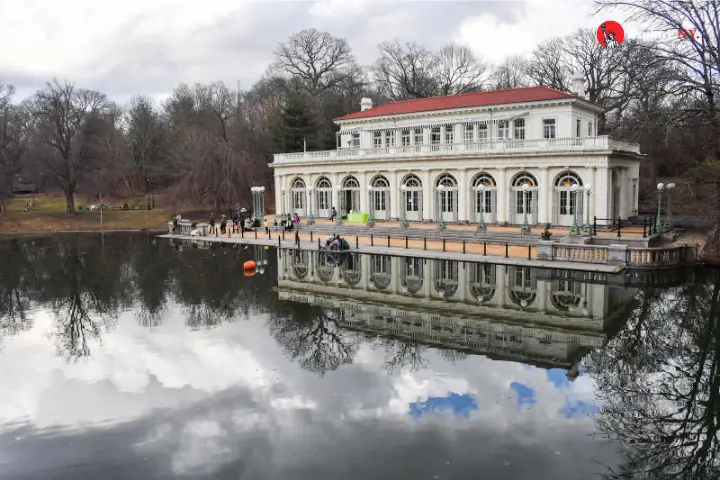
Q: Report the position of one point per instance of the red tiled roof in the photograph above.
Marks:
(465, 100)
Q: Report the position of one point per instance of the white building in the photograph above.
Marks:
(510, 153)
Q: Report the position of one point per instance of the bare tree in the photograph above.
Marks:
(69, 124)
(405, 71)
(549, 67)
(459, 70)
(511, 73)
(13, 145)
(320, 60)
(145, 134)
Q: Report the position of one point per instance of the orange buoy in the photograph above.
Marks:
(250, 265)
(249, 272)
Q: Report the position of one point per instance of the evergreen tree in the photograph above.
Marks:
(297, 125)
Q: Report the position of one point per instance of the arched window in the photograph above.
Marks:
(568, 200)
(567, 179)
(446, 277)
(298, 195)
(351, 183)
(566, 295)
(412, 181)
(299, 262)
(486, 180)
(412, 274)
(351, 269)
(446, 181)
(482, 281)
(323, 182)
(380, 271)
(484, 200)
(524, 178)
(380, 182)
(523, 286)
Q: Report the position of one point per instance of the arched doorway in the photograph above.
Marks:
(413, 274)
(523, 198)
(412, 193)
(380, 271)
(447, 196)
(446, 278)
(323, 197)
(522, 286)
(484, 196)
(349, 196)
(298, 193)
(380, 198)
(482, 281)
(567, 199)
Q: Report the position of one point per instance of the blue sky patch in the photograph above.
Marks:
(459, 404)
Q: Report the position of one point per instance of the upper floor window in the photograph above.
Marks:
(405, 137)
(590, 129)
(482, 131)
(449, 133)
(389, 138)
(577, 128)
(549, 128)
(519, 129)
(356, 139)
(503, 129)
(377, 139)
(418, 136)
(435, 136)
(469, 132)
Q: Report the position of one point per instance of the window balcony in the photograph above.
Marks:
(488, 147)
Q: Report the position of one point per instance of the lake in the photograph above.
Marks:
(124, 356)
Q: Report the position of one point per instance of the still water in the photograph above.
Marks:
(125, 356)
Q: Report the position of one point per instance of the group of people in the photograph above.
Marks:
(238, 224)
(335, 242)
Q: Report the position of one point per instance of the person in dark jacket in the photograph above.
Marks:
(223, 224)
(212, 223)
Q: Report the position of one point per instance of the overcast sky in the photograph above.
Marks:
(149, 46)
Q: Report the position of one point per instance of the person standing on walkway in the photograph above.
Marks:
(212, 223)
(267, 228)
(297, 238)
(333, 214)
(223, 224)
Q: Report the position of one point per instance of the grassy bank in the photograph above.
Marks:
(49, 216)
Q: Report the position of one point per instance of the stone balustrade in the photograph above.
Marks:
(186, 228)
(600, 143)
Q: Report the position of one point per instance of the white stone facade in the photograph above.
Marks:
(396, 164)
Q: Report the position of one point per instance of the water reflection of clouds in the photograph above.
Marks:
(234, 381)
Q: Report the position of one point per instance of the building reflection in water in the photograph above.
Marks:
(534, 316)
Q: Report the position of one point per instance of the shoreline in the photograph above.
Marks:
(53, 232)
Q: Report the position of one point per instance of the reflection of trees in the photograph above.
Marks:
(402, 355)
(15, 274)
(659, 386)
(310, 335)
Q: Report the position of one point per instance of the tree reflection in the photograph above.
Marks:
(404, 355)
(659, 385)
(310, 335)
(14, 277)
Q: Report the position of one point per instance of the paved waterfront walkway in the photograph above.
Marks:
(495, 253)
(635, 231)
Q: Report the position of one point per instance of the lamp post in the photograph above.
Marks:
(525, 226)
(310, 218)
(282, 205)
(440, 222)
(574, 230)
(371, 207)
(670, 187)
(587, 228)
(480, 189)
(658, 220)
(403, 206)
(339, 215)
(258, 203)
